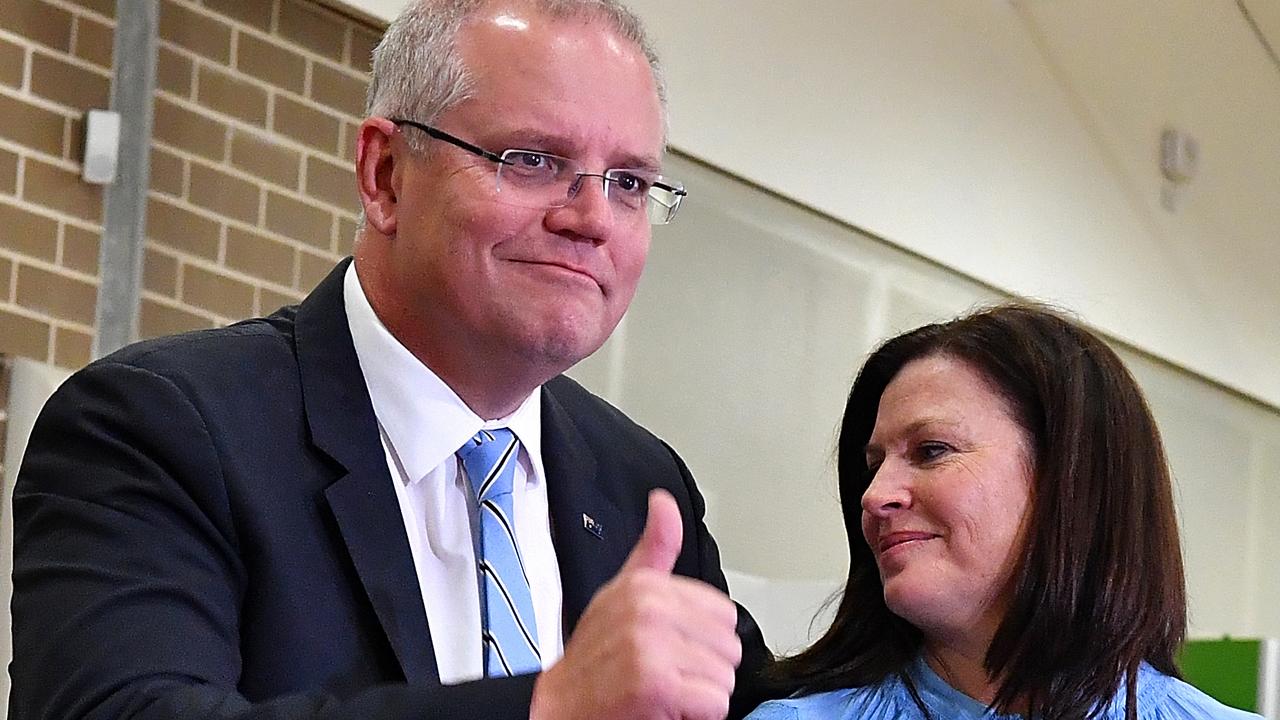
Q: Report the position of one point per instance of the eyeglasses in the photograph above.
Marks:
(532, 179)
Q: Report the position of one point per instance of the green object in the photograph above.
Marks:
(1226, 669)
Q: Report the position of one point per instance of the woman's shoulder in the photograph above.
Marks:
(1161, 697)
(886, 700)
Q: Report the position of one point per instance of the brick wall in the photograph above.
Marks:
(252, 195)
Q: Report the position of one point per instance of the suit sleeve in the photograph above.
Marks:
(129, 576)
(750, 688)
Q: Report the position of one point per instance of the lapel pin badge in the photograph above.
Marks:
(590, 525)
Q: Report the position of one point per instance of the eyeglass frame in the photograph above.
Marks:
(678, 192)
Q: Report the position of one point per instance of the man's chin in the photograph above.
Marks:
(558, 346)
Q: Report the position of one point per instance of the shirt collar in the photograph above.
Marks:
(424, 419)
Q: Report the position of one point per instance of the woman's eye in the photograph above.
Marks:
(872, 469)
(929, 451)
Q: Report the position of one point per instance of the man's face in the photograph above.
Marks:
(543, 287)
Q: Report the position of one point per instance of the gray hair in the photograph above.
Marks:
(418, 72)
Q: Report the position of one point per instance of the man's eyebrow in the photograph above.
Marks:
(639, 162)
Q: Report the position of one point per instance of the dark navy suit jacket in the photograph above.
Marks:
(206, 528)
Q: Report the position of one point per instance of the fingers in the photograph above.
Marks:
(659, 544)
(698, 612)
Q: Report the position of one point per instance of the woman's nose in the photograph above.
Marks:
(889, 490)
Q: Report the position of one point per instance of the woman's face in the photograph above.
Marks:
(950, 488)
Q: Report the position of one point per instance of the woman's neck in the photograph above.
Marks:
(962, 669)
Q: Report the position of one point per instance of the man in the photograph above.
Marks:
(292, 517)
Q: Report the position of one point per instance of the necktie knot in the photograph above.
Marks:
(489, 458)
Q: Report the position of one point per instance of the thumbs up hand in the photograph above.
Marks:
(651, 645)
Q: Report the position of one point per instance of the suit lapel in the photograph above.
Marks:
(363, 500)
(591, 536)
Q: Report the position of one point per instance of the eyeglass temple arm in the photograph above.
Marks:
(452, 140)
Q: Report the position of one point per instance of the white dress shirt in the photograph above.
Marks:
(423, 423)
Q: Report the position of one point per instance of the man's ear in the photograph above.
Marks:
(374, 177)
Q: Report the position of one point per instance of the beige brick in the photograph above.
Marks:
(224, 193)
(8, 172)
(265, 158)
(338, 89)
(299, 220)
(23, 336)
(332, 183)
(33, 235)
(174, 72)
(269, 300)
(155, 320)
(74, 150)
(72, 349)
(37, 20)
(6, 269)
(62, 190)
(61, 296)
(160, 273)
(6, 372)
(102, 7)
(271, 63)
(167, 172)
(260, 256)
(360, 51)
(32, 126)
(350, 134)
(13, 61)
(180, 229)
(305, 124)
(318, 30)
(202, 34)
(94, 41)
(80, 249)
(232, 96)
(312, 269)
(68, 84)
(216, 293)
(251, 12)
(346, 236)
(189, 130)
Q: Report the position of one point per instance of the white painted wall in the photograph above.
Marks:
(741, 346)
(1014, 142)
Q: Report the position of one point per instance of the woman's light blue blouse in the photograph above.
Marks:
(1160, 697)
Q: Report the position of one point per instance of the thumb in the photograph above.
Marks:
(659, 544)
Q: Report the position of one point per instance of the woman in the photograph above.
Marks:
(1013, 545)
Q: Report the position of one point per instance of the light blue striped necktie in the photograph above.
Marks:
(508, 628)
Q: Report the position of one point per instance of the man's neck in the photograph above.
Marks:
(488, 379)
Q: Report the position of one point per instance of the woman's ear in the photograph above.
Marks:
(374, 177)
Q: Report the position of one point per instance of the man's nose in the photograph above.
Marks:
(589, 212)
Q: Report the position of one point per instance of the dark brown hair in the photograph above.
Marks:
(1098, 587)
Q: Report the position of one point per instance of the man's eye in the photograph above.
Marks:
(530, 161)
(631, 183)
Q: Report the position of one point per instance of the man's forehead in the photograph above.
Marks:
(567, 86)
